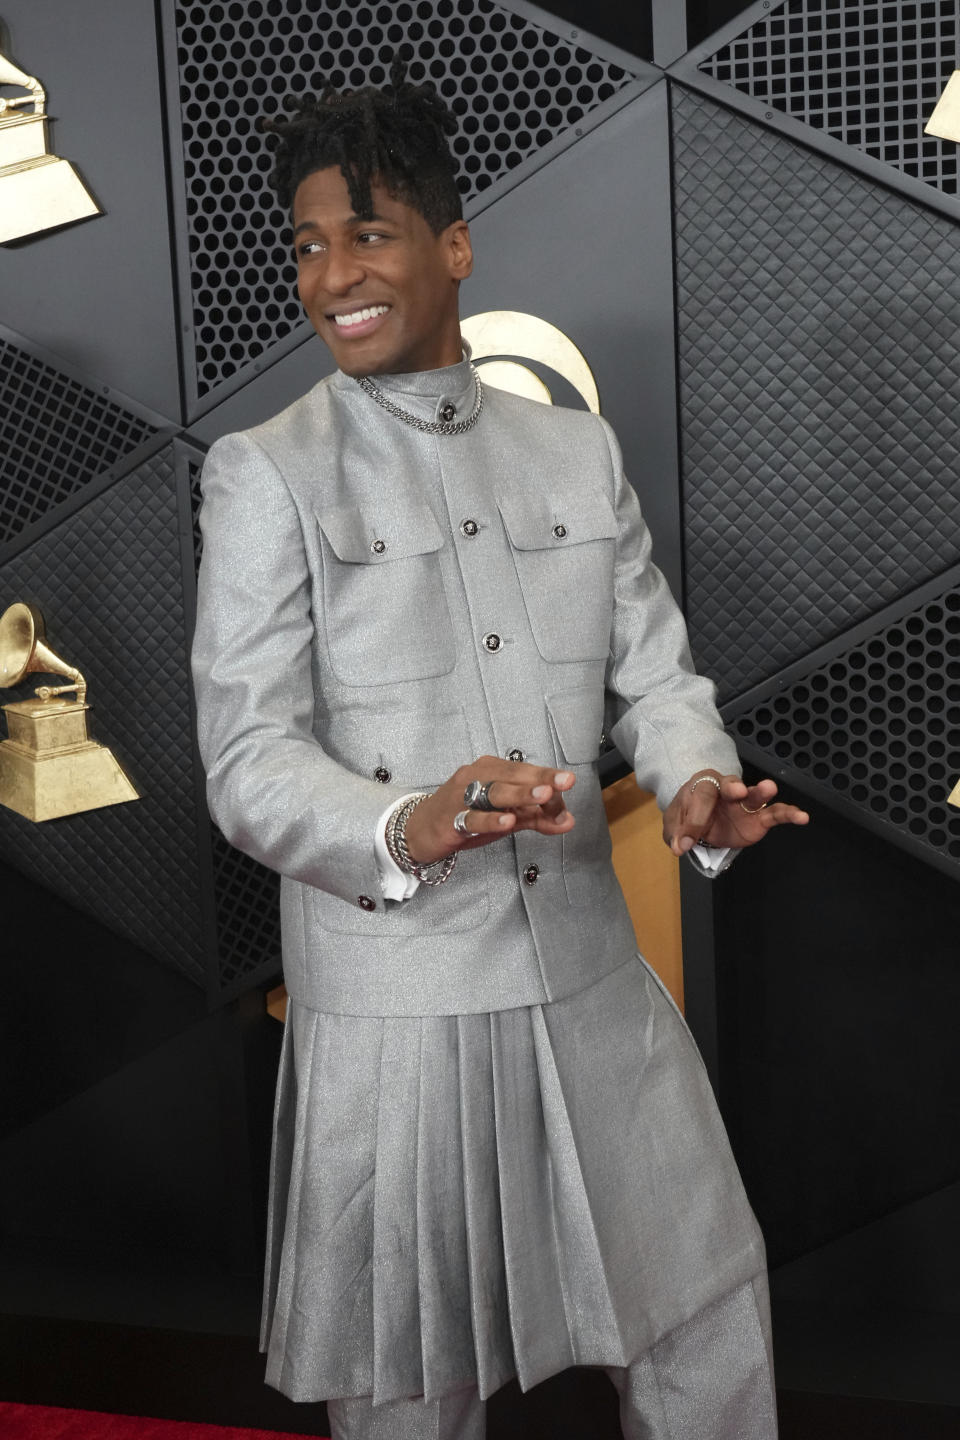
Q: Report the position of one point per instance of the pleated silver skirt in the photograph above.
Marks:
(461, 1199)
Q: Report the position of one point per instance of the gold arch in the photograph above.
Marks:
(511, 332)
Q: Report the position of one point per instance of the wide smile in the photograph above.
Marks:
(357, 321)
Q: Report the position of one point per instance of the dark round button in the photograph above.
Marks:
(448, 413)
(516, 755)
(382, 774)
(492, 643)
(531, 874)
(378, 547)
(560, 531)
(366, 903)
(469, 528)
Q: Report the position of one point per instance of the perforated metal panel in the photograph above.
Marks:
(515, 86)
(867, 74)
(819, 344)
(55, 435)
(108, 582)
(878, 724)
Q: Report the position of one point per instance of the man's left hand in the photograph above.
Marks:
(723, 811)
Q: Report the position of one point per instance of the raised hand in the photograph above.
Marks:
(526, 797)
(722, 811)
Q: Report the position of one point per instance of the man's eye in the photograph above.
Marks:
(309, 247)
(365, 237)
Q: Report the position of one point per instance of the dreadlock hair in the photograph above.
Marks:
(396, 136)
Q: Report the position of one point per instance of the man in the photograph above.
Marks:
(496, 1151)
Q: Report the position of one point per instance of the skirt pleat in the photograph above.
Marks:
(459, 1199)
(487, 1276)
(397, 1358)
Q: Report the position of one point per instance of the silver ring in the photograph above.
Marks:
(710, 779)
(477, 795)
(460, 824)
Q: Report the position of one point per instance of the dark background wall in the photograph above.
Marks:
(738, 221)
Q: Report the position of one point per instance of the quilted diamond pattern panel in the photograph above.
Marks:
(879, 724)
(55, 435)
(867, 74)
(108, 581)
(248, 916)
(819, 341)
(515, 86)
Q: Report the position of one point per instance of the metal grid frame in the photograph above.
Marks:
(688, 71)
(58, 432)
(868, 72)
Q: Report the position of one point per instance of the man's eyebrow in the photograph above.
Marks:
(351, 221)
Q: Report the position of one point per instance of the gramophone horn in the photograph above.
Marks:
(23, 650)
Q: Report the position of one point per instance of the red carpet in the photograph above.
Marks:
(48, 1422)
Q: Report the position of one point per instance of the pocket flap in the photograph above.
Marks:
(577, 717)
(415, 749)
(553, 521)
(377, 536)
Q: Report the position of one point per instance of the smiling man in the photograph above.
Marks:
(496, 1151)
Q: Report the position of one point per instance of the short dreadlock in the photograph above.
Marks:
(396, 136)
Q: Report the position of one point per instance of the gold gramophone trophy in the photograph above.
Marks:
(49, 766)
(37, 190)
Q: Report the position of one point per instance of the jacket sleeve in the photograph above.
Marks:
(271, 787)
(666, 721)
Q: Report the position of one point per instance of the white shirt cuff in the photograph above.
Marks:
(711, 861)
(395, 883)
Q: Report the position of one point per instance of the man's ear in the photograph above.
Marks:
(459, 249)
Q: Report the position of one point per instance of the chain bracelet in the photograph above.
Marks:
(437, 872)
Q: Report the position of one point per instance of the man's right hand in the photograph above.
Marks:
(527, 797)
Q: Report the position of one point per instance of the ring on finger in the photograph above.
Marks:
(746, 808)
(477, 795)
(705, 779)
(460, 824)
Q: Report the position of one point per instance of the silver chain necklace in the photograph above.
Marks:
(427, 427)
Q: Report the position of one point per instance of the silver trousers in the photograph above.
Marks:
(709, 1379)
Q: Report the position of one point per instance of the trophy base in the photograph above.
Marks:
(40, 194)
(46, 787)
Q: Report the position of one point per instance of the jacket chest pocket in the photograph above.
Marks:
(564, 551)
(576, 720)
(385, 610)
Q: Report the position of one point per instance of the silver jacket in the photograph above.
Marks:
(356, 640)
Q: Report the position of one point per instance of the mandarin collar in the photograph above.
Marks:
(453, 381)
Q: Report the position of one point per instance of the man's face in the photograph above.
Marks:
(381, 293)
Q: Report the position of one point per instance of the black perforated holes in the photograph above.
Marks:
(880, 724)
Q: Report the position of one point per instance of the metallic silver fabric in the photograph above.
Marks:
(342, 610)
(461, 1416)
(710, 1379)
(459, 1199)
(707, 1380)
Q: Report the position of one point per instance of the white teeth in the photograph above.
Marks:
(354, 317)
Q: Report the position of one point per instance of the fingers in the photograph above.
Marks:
(485, 825)
(784, 815)
(543, 793)
(690, 813)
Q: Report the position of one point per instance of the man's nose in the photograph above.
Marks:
(344, 269)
